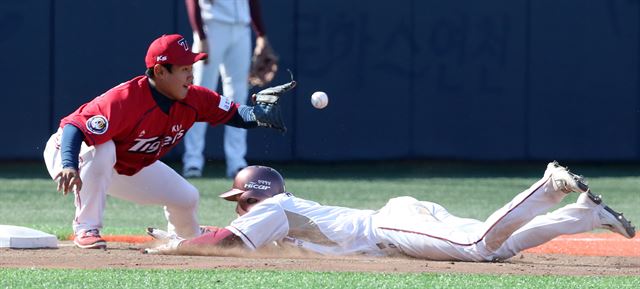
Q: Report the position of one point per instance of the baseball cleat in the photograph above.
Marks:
(90, 239)
(566, 181)
(609, 218)
(192, 172)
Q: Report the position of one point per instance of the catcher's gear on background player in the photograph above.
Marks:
(264, 63)
(267, 110)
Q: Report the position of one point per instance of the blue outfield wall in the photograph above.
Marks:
(459, 79)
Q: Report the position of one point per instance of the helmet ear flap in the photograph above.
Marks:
(252, 201)
(248, 199)
(252, 185)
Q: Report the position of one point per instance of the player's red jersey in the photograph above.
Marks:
(141, 131)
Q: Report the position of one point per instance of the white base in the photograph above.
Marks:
(25, 238)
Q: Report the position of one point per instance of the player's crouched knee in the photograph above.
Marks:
(188, 197)
(192, 196)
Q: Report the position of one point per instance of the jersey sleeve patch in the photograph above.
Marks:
(225, 103)
(97, 124)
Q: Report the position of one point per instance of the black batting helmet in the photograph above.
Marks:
(252, 185)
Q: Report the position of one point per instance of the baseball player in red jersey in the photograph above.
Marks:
(112, 144)
(404, 225)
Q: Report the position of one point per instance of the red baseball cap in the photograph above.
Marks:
(171, 49)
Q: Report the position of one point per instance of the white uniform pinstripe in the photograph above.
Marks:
(415, 228)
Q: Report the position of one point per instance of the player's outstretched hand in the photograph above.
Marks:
(170, 247)
(68, 180)
(168, 243)
(159, 234)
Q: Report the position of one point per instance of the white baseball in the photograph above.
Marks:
(319, 100)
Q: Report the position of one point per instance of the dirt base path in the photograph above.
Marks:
(124, 255)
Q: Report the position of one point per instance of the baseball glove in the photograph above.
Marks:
(267, 109)
(271, 95)
(264, 63)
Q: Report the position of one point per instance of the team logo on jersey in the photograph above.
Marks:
(97, 124)
(184, 44)
(225, 103)
(151, 145)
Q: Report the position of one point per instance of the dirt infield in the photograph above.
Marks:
(591, 245)
(588, 254)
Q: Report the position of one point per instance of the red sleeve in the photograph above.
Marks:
(211, 107)
(221, 237)
(195, 18)
(256, 17)
(99, 119)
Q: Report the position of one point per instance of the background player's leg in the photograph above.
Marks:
(234, 73)
(158, 184)
(194, 143)
(204, 75)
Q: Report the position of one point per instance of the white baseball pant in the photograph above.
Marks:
(156, 184)
(426, 230)
(230, 55)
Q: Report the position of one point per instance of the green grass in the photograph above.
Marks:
(467, 189)
(157, 279)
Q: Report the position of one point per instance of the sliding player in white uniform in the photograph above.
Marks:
(404, 225)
